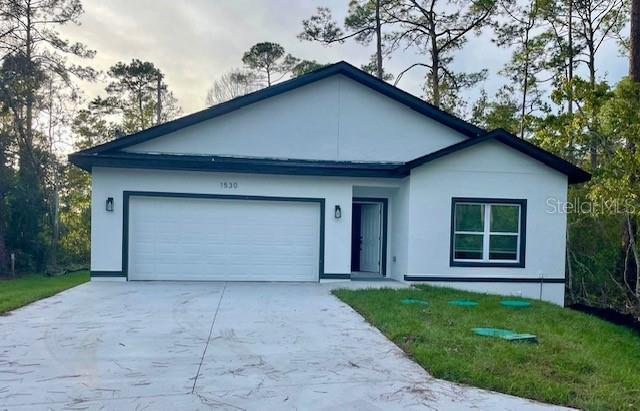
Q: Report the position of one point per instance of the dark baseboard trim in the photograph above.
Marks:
(422, 278)
(329, 276)
(101, 274)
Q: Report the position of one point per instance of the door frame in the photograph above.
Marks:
(126, 195)
(384, 203)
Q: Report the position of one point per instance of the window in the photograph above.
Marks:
(488, 232)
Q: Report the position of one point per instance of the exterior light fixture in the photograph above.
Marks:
(109, 204)
(338, 212)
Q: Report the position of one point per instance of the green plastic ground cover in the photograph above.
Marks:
(515, 303)
(505, 334)
(521, 338)
(464, 303)
(492, 332)
(413, 301)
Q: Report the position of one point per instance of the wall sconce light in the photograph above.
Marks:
(109, 204)
(338, 212)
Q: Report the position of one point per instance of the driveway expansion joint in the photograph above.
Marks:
(204, 352)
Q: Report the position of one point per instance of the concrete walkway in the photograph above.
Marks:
(200, 346)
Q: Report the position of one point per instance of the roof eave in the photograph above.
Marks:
(260, 166)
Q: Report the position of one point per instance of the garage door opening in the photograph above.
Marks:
(223, 238)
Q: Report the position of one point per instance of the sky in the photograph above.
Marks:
(195, 41)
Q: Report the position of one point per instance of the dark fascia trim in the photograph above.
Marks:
(342, 67)
(576, 175)
(102, 274)
(87, 161)
(334, 276)
(428, 278)
(238, 165)
(523, 232)
(385, 223)
(126, 196)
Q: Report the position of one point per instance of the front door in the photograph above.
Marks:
(370, 237)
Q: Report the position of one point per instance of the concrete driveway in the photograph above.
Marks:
(188, 346)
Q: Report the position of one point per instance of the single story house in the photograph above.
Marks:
(331, 175)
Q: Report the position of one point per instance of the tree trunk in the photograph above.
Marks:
(570, 68)
(435, 86)
(379, 70)
(568, 264)
(55, 224)
(140, 110)
(54, 195)
(631, 268)
(30, 92)
(159, 102)
(435, 65)
(525, 83)
(634, 73)
(634, 55)
(4, 253)
(593, 149)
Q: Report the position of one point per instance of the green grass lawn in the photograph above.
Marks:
(26, 289)
(580, 360)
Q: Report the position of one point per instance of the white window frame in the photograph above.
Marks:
(487, 233)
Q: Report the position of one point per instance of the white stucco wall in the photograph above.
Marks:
(490, 170)
(419, 213)
(332, 119)
(106, 227)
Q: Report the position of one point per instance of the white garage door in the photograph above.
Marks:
(223, 239)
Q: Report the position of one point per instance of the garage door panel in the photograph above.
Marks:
(222, 239)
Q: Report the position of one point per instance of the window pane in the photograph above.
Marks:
(468, 247)
(503, 247)
(504, 218)
(470, 217)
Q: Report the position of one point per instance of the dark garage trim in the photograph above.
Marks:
(422, 278)
(102, 274)
(332, 276)
(128, 194)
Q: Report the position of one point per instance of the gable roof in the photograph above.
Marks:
(342, 67)
(110, 155)
(575, 174)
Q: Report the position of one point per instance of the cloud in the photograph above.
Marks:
(195, 41)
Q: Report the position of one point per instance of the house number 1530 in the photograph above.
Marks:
(228, 185)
